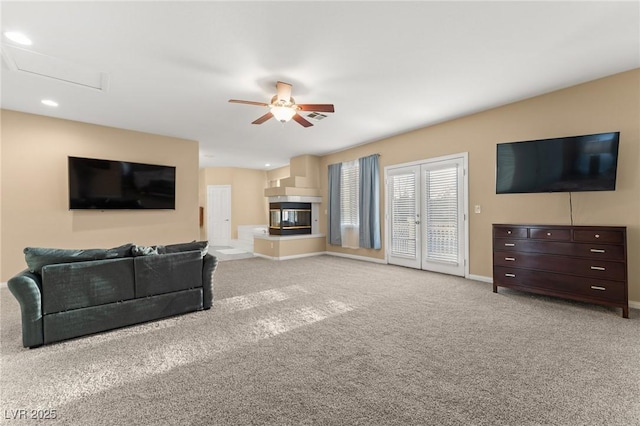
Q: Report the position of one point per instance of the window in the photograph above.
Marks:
(349, 196)
(354, 203)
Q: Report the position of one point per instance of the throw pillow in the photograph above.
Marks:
(144, 250)
(38, 257)
(203, 246)
(123, 250)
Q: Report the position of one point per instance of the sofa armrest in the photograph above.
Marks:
(209, 265)
(26, 288)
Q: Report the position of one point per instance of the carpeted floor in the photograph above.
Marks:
(334, 341)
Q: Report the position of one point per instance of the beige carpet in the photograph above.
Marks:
(327, 340)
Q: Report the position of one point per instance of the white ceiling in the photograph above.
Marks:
(388, 67)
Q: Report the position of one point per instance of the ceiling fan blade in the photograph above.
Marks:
(283, 91)
(236, 101)
(303, 122)
(263, 118)
(316, 107)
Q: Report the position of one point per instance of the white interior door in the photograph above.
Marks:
(426, 215)
(219, 215)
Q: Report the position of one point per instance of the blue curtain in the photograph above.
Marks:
(333, 231)
(369, 202)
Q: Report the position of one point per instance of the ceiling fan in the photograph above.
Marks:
(283, 107)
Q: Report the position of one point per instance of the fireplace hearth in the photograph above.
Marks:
(289, 218)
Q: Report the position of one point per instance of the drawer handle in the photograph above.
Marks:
(510, 275)
(509, 245)
(548, 234)
(508, 232)
(510, 259)
(597, 287)
(597, 235)
(597, 251)
(597, 268)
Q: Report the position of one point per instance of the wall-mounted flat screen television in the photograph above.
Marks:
(108, 185)
(566, 164)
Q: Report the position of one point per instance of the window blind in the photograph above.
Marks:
(441, 206)
(349, 186)
(403, 215)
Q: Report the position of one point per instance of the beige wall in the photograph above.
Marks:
(35, 189)
(274, 176)
(609, 104)
(248, 203)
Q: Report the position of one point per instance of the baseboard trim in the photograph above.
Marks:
(355, 257)
(295, 256)
(3, 285)
(634, 305)
(480, 278)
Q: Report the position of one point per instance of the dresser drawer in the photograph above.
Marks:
(594, 251)
(595, 268)
(598, 236)
(593, 289)
(513, 232)
(550, 234)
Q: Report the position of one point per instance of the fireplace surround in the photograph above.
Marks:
(288, 218)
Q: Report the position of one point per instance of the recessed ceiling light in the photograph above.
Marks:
(267, 165)
(49, 102)
(18, 38)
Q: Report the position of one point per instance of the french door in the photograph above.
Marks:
(426, 215)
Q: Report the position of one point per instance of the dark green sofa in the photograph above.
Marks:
(65, 300)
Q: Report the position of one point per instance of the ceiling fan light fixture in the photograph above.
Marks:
(284, 108)
(283, 113)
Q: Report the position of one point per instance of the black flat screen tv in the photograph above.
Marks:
(111, 185)
(566, 164)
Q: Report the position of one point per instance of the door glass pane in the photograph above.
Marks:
(441, 207)
(403, 215)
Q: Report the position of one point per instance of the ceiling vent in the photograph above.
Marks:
(316, 116)
(37, 64)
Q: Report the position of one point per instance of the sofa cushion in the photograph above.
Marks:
(203, 246)
(37, 257)
(93, 319)
(167, 273)
(80, 284)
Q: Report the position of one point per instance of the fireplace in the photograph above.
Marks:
(289, 218)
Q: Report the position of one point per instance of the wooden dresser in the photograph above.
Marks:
(585, 263)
